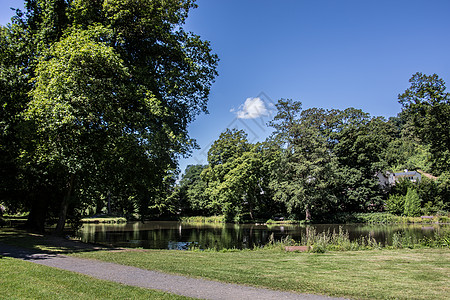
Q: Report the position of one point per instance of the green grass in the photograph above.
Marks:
(25, 280)
(104, 220)
(201, 219)
(376, 274)
(384, 218)
(372, 274)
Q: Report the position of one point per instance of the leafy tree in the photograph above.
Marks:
(190, 192)
(359, 144)
(427, 104)
(405, 150)
(412, 203)
(115, 84)
(395, 204)
(15, 52)
(428, 190)
(236, 178)
(444, 190)
(306, 173)
(231, 145)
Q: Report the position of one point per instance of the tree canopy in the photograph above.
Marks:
(95, 102)
(427, 105)
(104, 93)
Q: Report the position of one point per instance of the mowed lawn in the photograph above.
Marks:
(25, 280)
(374, 274)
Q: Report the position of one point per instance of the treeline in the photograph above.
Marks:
(95, 102)
(321, 163)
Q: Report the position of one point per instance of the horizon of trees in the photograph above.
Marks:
(319, 163)
(96, 98)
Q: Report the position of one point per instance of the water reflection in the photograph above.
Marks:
(180, 236)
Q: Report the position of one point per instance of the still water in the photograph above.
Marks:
(176, 235)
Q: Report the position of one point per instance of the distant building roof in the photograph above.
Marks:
(405, 174)
(427, 175)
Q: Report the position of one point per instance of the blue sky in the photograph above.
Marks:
(325, 53)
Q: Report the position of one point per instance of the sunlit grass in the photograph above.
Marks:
(25, 280)
(422, 273)
(376, 274)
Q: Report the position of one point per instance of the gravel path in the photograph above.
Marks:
(191, 287)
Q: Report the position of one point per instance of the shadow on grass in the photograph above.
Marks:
(22, 244)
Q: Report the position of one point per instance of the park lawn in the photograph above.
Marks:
(374, 274)
(25, 280)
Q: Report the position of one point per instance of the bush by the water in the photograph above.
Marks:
(201, 219)
(395, 204)
(412, 203)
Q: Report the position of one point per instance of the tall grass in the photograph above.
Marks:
(201, 219)
(340, 241)
(386, 218)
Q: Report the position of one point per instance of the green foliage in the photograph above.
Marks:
(378, 218)
(329, 158)
(99, 107)
(427, 105)
(395, 204)
(201, 219)
(306, 170)
(412, 203)
(400, 241)
(237, 178)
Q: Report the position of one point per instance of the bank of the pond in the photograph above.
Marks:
(340, 218)
(388, 218)
(132, 276)
(376, 274)
(104, 220)
(182, 236)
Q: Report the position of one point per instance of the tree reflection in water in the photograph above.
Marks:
(182, 236)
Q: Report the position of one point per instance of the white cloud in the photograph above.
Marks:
(251, 109)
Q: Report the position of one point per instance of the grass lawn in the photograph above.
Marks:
(375, 274)
(25, 280)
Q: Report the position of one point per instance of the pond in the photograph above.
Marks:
(177, 235)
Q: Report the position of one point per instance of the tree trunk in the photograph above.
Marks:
(38, 213)
(307, 214)
(64, 206)
(109, 203)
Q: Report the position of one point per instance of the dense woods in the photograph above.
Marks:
(320, 164)
(96, 97)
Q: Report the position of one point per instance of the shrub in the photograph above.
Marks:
(412, 203)
(395, 204)
(444, 219)
(201, 219)
(377, 218)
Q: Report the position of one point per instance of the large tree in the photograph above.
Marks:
(114, 85)
(306, 173)
(359, 143)
(427, 105)
(237, 178)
